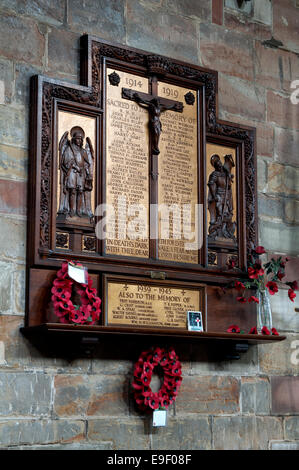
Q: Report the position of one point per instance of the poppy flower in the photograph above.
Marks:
(139, 398)
(280, 275)
(146, 378)
(255, 271)
(253, 331)
(176, 369)
(233, 329)
(252, 298)
(291, 295)
(63, 283)
(265, 331)
(293, 285)
(260, 250)
(274, 332)
(61, 294)
(272, 287)
(239, 285)
(137, 385)
(76, 316)
(172, 354)
(241, 299)
(164, 401)
(153, 401)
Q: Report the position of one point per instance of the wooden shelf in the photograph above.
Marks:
(109, 331)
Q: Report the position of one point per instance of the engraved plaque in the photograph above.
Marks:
(151, 304)
(127, 160)
(178, 177)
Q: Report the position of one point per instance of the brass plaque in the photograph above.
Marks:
(127, 161)
(151, 304)
(178, 178)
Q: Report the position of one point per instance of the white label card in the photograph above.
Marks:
(78, 273)
(159, 418)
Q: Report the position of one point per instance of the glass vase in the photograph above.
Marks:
(264, 311)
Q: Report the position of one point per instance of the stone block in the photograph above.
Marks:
(285, 395)
(13, 126)
(291, 426)
(25, 394)
(161, 32)
(285, 22)
(183, 434)
(90, 395)
(282, 111)
(285, 318)
(12, 238)
(63, 52)
(284, 445)
(6, 78)
(21, 39)
(223, 51)
(205, 361)
(238, 23)
(123, 434)
(279, 237)
(261, 176)
(103, 18)
(74, 446)
(19, 290)
(208, 394)
(271, 206)
(190, 8)
(26, 432)
(280, 358)
(240, 97)
(13, 162)
(262, 11)
(292, 211)
(245, 432)
(283, 179)
(286, 146)
(273, 67)
(23, 73)
(13, 197)
(255, 395)
(51, 12)
(6, 283)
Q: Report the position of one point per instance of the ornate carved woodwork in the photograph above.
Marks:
(63, 215)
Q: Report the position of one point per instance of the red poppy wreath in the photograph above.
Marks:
(143, 371)
(86, 313)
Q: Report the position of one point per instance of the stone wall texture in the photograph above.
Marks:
(54, 403)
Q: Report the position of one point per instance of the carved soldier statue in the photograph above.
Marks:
(220, 199)
(76, 174)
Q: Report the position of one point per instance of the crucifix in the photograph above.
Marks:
(155, 105)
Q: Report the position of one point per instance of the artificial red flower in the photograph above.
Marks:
(274, 332)
(272, 287)
(153, 401)
(63, 283)
(233, 329)
(252, 298)
(293, 285)
(291, 295)
(265, 331)
(241, 299)
(164, 401)
(146, 378)
(172, 354)
(253, 331)
(260, 250)
(280, 275)
(239, 285)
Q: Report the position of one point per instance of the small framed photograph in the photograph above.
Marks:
(194, 321)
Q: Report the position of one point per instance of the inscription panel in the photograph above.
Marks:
(151, 304)
(178, 177)
(127, 161)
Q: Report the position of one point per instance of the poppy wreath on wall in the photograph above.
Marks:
(63, 287)
(145, 398)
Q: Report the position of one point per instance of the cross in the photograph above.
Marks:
(155, 105)
(197, 321)
(125, 287)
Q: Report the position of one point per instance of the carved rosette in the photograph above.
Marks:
(62, 240)
(189, 98)
(114, 79)
(88, 243)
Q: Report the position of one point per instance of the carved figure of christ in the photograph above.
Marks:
(155, 106)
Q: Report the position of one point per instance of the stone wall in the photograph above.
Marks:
(49, 402)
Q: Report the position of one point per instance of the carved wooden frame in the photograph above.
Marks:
(48, 95)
